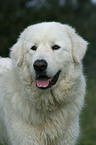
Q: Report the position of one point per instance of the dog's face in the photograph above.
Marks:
(48, 50)
(46, 54)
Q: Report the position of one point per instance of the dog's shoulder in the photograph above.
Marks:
(5, 65)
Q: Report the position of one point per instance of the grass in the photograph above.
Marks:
(88, 116)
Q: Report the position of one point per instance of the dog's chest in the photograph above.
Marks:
(51, 131)
(47, 134)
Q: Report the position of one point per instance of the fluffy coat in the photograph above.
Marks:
(28, 115)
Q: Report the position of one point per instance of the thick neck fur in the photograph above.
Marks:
(36, 106)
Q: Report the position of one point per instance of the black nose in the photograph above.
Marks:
(40, 65)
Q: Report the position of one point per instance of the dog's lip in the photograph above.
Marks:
(45, 82)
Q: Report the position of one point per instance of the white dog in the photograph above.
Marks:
(42, 87)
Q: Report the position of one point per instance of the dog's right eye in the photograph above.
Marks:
(34, 47)
(55, 47)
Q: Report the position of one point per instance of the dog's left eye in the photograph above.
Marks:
(55, 47)
(34, 47)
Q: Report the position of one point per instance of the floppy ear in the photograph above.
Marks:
(17, 53)
(79, 45)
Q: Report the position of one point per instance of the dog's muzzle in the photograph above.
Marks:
(43, 81)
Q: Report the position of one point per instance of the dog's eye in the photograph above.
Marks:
(55, 47)
(34, 47)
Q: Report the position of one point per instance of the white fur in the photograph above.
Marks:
(29, 116)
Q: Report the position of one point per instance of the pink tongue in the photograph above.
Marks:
(42, 83)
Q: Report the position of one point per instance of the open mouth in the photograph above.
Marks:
(44, 82)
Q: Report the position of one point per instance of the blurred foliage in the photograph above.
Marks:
(88, 116)
(16, 15)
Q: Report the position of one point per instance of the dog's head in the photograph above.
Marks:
(50, 56)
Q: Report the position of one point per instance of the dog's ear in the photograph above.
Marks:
(17, 52)
(79, 45)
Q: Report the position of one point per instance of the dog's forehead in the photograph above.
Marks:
(43, 31)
